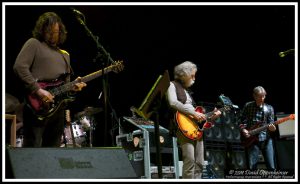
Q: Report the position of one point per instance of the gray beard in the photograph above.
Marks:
(191, 82)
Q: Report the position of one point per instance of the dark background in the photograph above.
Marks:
(235, 48)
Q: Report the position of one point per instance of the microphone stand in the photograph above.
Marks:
(100, 49)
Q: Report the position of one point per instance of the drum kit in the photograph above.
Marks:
(14, 107)
(82, 128)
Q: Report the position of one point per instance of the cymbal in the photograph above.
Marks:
(93, 110)
(88, 111)
(11, 103)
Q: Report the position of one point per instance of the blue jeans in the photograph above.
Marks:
(267, 150)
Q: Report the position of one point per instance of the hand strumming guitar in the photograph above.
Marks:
(199, 116)
(45, 95)
(246, 133)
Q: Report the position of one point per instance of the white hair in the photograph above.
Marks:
(184, 69)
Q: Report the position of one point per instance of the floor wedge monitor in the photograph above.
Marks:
(91, 163)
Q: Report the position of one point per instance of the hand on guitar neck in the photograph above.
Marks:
(79, 85)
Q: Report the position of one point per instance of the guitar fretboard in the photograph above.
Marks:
(67, 87)
(264, 127)
(210, 114)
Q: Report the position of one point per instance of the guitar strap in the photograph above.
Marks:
(69, 68)
(191, 96)
(180, 92)
(263, 118)
(265, 113)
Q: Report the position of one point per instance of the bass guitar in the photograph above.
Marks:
(193, 129)
(60, 90)
(254, 130)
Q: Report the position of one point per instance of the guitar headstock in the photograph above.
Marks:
(292, 117)
(117, 66)
(227, 102)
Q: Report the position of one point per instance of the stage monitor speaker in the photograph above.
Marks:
(49, 163)
(285, 154)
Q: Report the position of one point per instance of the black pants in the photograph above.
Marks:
(46, 133)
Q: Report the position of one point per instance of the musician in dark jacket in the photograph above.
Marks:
(42, 65)
(179, 99)
(253, 115)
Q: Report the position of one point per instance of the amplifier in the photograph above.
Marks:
(138, 140)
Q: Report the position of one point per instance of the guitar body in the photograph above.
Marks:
(190, 128)
(247, 142)
(42, 109)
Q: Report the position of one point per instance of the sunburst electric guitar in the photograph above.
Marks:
(60, 90)
(254, 130)
(193, 129)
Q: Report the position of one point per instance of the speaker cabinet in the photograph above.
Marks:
(214, 134)
(238, 159)
(285, 154)
(215, 154)
(92, 163)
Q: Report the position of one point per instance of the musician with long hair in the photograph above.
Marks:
(40, 65)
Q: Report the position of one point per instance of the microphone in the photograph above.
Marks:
(77, 12)
(287, 52)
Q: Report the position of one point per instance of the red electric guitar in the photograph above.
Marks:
(60, 90)
(256, 129)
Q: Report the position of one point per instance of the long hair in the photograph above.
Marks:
(44, 23)
(184, 69)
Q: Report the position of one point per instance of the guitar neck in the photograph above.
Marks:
(259, 129)
(210, 114)
(96, 74)
(264, 127)
(67, 87)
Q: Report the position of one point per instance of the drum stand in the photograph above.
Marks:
(91, 134)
